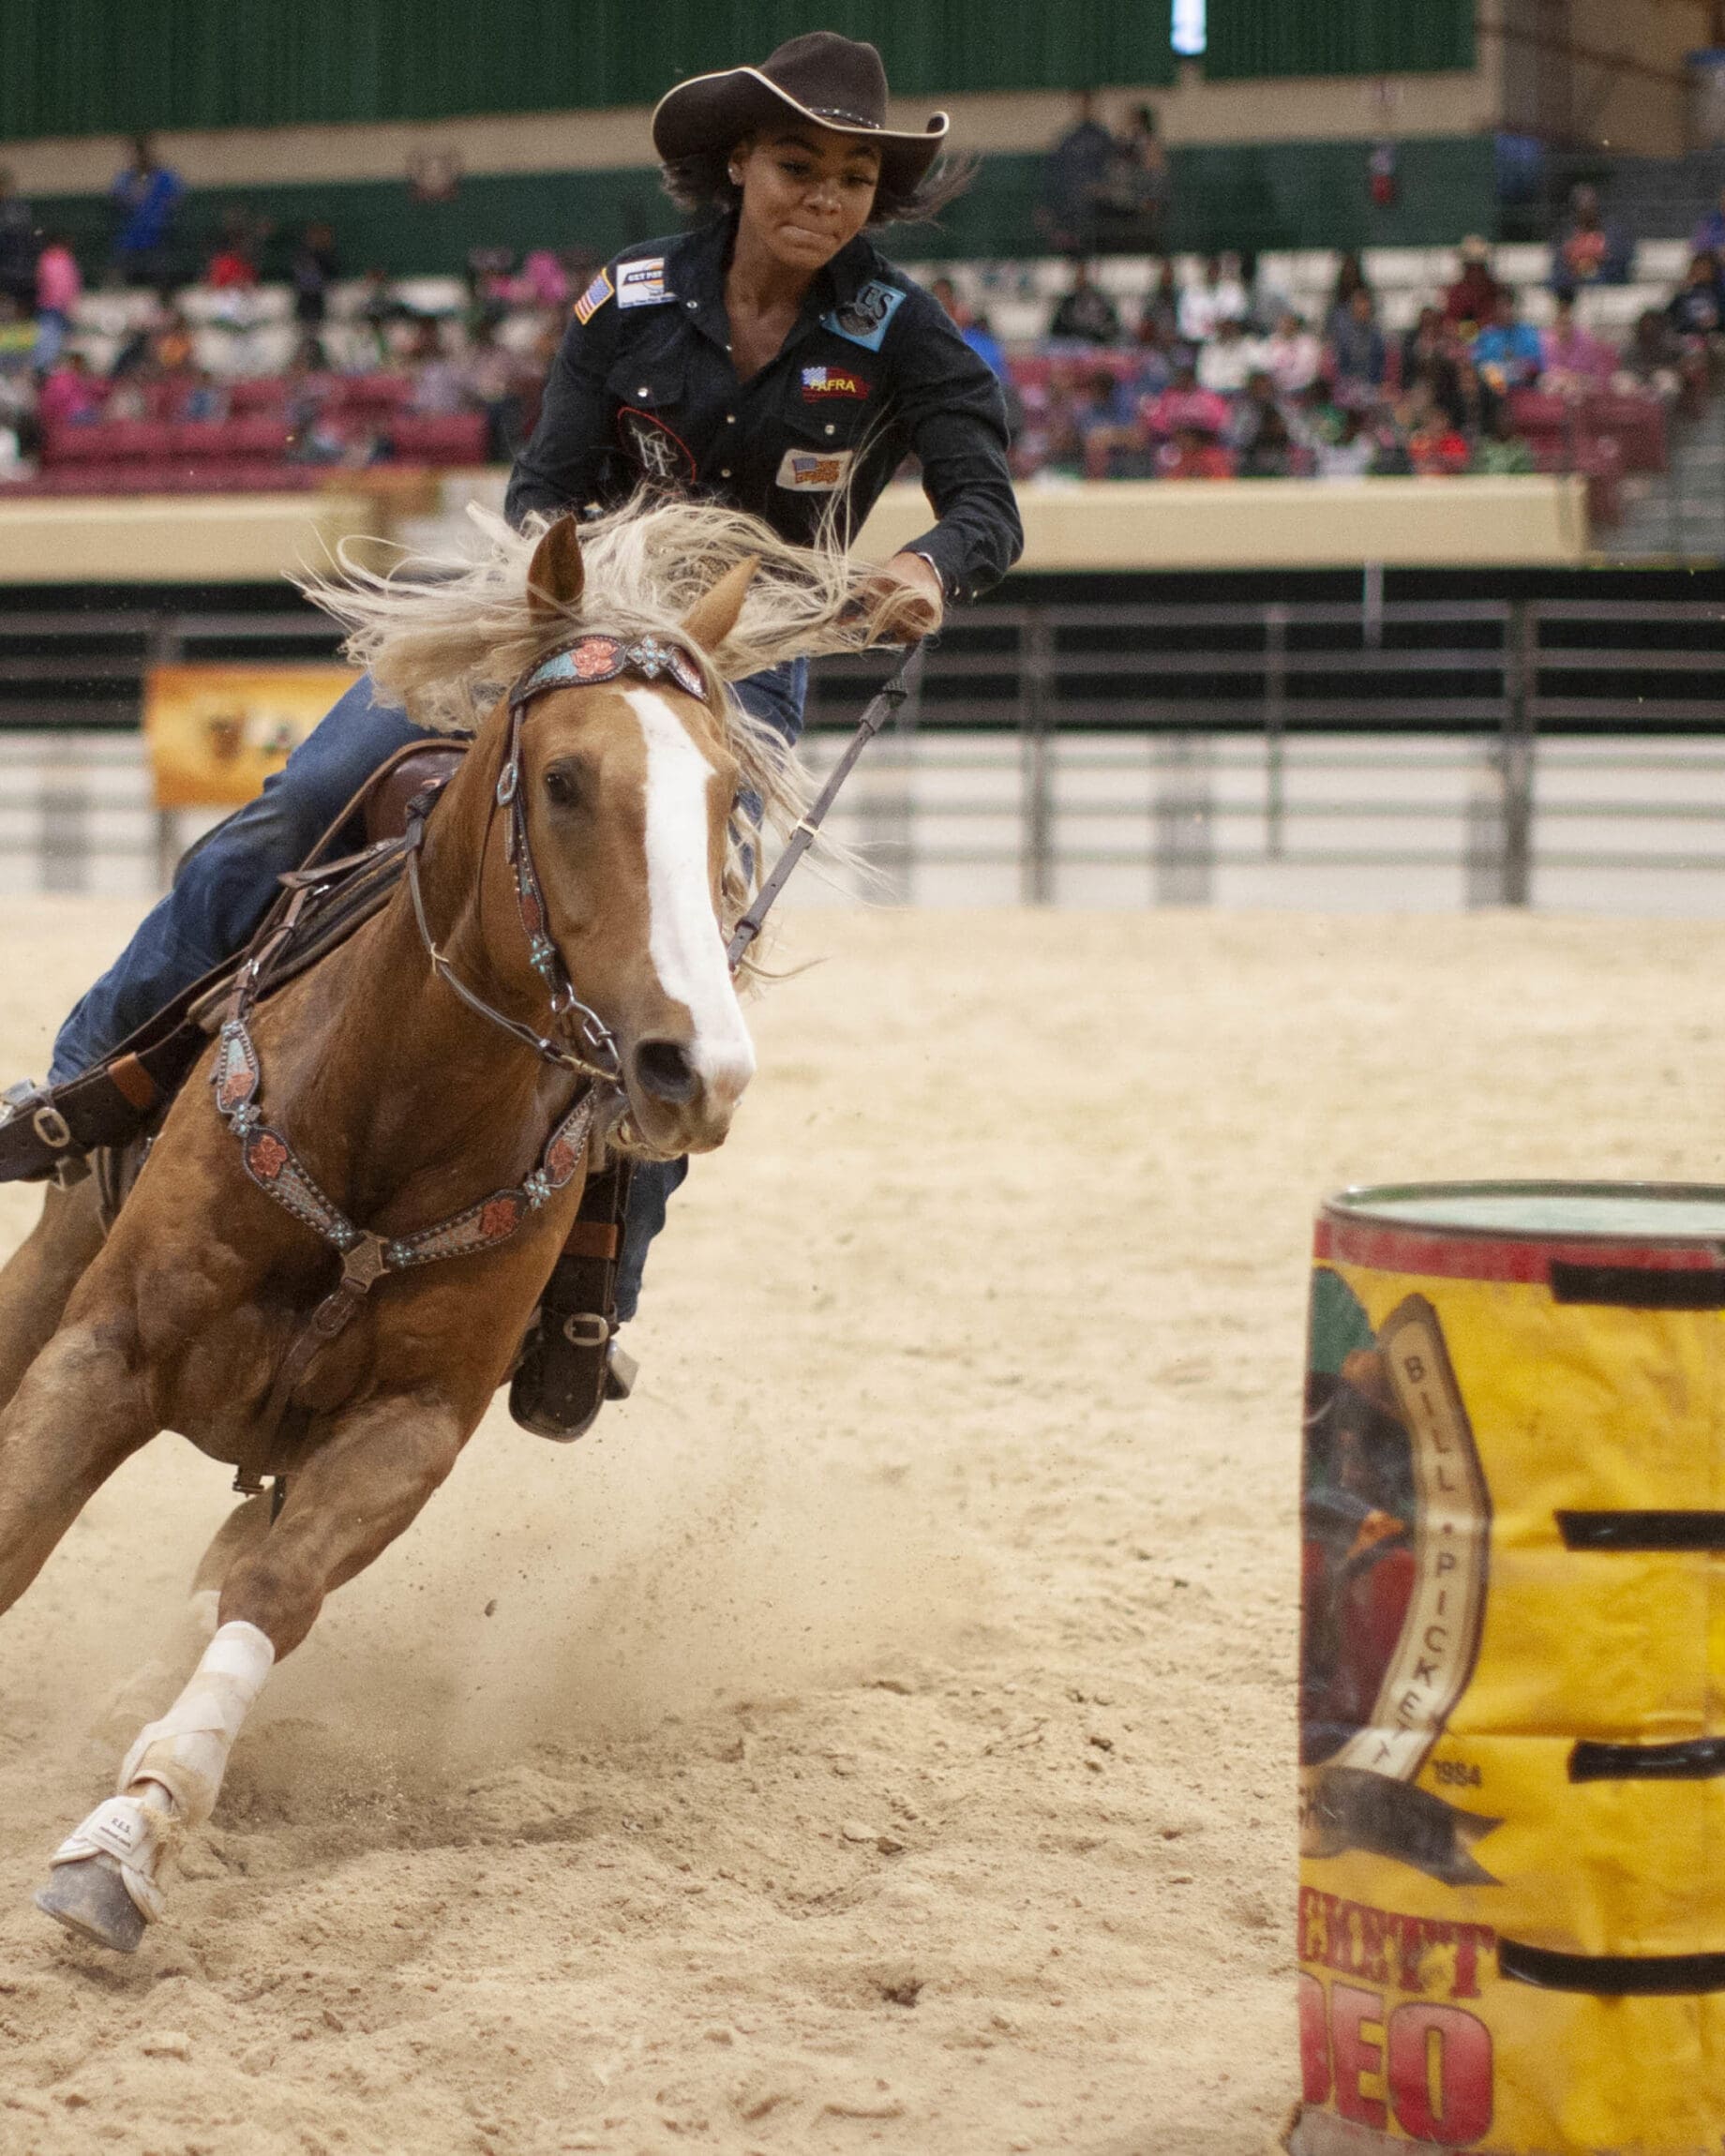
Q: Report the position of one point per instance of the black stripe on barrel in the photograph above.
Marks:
(1638, 1287)
(1692, 1760)
(1612, 1975)
(1643, 1531)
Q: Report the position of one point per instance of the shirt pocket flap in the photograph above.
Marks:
(647, 382)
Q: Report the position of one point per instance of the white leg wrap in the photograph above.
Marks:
(187, 1751)
(132, 1832)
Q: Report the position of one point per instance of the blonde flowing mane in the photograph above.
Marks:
(447, 636)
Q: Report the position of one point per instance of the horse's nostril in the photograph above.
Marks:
(663, 1070)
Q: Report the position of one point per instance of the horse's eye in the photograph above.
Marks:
(561, 788)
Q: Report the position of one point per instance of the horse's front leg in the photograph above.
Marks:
(361, 1484)
(38, 1280)
(79, 1411)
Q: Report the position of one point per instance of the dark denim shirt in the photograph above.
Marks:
(643, 388)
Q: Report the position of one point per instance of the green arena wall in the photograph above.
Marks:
(1227, 195)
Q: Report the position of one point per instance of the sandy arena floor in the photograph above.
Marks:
(879, 1738)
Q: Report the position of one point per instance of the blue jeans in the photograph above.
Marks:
(226, 885)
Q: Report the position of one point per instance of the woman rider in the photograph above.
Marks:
(772, 357)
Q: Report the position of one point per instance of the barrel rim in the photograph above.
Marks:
(1354, 1204)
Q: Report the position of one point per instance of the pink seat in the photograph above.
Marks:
(369, 393)
(454, 438)
(75, 444)
(127, 440)
(262, 393)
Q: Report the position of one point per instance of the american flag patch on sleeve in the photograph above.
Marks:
(593, 298)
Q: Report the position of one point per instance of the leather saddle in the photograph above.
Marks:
(321, 903)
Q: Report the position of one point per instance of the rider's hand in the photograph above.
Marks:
(907, 590)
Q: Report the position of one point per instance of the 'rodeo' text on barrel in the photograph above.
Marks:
(1512, 1673)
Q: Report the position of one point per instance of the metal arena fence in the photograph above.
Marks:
(1429, 754)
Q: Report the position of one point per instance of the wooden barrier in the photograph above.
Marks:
(1118, 524)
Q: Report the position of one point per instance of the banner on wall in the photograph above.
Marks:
(216, 732)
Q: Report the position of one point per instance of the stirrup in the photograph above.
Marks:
(569, 1367)
(36, 1141)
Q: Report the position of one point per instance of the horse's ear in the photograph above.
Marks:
(713, 616)
(556, 575)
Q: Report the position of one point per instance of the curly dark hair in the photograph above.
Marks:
(702, 184)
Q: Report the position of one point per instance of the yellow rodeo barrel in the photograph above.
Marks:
(1512, 1782)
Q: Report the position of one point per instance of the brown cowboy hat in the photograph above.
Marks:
(833, 82)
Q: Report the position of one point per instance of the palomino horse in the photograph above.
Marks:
(400, 1104)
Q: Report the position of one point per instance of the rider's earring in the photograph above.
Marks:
(736, 177)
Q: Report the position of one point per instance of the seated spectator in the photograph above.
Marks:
(1230, 357)
(1184, 404)
(1257, 430)
(1695, 309)
(1350, 454)
(1655, 359)
(1709, 235)
(69, 396)
(312, 272)
(190, 392)
(974, 330)
(1159, 323)
(543, 280)
(59, 289)
(1102, 412)
(1194, 453)
(1074, 172)
(1431, 360)
(1293, 356)
(1359, 359)
(170, 342)
(1218, 296)
(1086, 314)
(1576, 361)
(1587, 250)
(1472, 300)
(1350, 280)
(1437, 447)
(144, 199)
(1265, 301)
(440, 387)
(1508, 354)
(233, 267)
(1272, 452)
(1501, 451)
(17, 337)
(497, 381)
(18, 245)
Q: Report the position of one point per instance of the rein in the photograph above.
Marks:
(577, 1038)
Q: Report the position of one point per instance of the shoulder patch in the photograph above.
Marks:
(593, 298)
(865, 319)
(642, 283)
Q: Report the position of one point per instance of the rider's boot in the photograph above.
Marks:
(570, 1362)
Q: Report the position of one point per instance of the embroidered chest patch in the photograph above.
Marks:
(822, 383)
(865, 319)
(593, 298)
(665, 458)
(814, 470)
(642, 283)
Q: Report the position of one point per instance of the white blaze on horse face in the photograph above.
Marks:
(683, 938)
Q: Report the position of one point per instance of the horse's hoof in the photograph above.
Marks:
(89, 1897)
